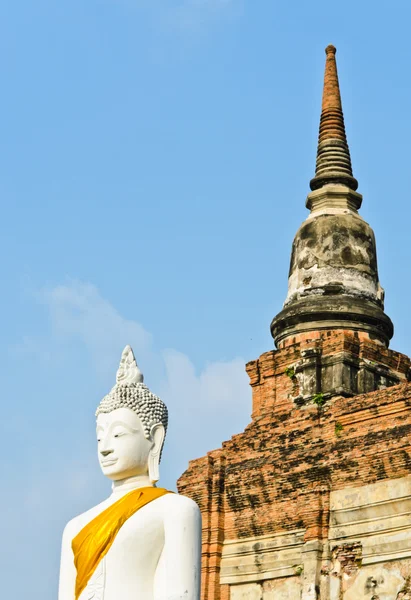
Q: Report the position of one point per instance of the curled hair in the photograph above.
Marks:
(150, 409)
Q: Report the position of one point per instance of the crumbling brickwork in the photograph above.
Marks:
(277, 476)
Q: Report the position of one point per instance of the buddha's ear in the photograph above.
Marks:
(157, 435)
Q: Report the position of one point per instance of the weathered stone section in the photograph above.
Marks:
(280, 589)
(343, 567)
(379, 564)
(333, 279)
(324, 364)
(334, 254)
(373, 583)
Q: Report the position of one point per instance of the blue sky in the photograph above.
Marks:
(155, 158)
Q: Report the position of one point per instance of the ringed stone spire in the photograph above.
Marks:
(333, 155)
(333, 279)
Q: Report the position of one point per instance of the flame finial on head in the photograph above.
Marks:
(128, 371)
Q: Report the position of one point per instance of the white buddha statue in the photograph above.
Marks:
(141, 543)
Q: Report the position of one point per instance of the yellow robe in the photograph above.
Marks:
(96, 538)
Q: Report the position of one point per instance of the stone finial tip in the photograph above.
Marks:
(128, 371)
(330, 49)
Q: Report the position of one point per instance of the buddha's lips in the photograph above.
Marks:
(107, 463)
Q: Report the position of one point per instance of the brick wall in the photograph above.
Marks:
(277, 475)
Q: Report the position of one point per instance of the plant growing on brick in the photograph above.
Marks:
(319, 400)
(338, 428)
(290, 372)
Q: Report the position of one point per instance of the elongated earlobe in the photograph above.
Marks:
(157, 435)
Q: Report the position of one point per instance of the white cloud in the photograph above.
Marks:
(206, 406)
(77, 310)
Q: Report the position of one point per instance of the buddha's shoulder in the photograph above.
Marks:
(77, 523)
(176, 504)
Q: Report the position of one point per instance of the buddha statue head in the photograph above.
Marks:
(131, 425)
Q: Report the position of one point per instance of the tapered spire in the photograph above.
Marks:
(333, 155)
(333, 280)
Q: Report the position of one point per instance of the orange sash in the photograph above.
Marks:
(96, 538)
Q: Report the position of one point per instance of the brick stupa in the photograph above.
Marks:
(313, 500)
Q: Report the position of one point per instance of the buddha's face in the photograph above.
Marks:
(123, 449)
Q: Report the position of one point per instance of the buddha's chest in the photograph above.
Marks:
(128, 569)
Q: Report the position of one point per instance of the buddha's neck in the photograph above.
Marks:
(131, 483)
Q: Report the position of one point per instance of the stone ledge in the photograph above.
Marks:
(260, 558)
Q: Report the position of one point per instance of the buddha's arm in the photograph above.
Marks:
(67, 568)
(179, 568)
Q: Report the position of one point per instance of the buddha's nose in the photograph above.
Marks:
(106, 452)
